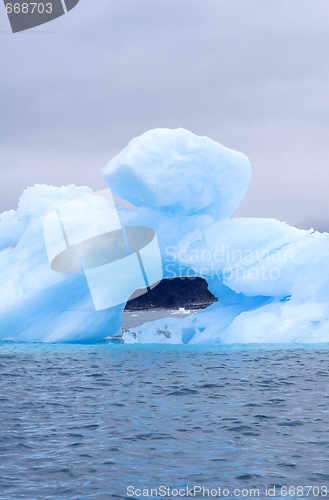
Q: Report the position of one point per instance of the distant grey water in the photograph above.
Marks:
(132, 319)
(85, 422)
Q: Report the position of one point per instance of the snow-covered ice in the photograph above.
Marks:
(271, 279)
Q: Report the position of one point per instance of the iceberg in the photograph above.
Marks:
(37, 303)
(270, 279)
(177, 172)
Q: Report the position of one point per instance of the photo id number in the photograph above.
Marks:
(26, 8)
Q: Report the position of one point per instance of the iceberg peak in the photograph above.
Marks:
(179, 172)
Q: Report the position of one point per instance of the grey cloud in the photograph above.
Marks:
(252, 75)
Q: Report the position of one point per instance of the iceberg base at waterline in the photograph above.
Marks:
(271, 279)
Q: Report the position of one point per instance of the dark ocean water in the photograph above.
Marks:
(86, 422)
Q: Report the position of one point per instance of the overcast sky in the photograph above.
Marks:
(250, 74)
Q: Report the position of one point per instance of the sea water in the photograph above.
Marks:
(89, 421)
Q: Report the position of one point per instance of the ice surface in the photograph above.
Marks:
(271, 279)
(181, 172)
(37, 303)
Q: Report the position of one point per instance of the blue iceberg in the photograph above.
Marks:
(271, 279)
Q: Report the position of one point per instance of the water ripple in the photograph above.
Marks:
(80, 422)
